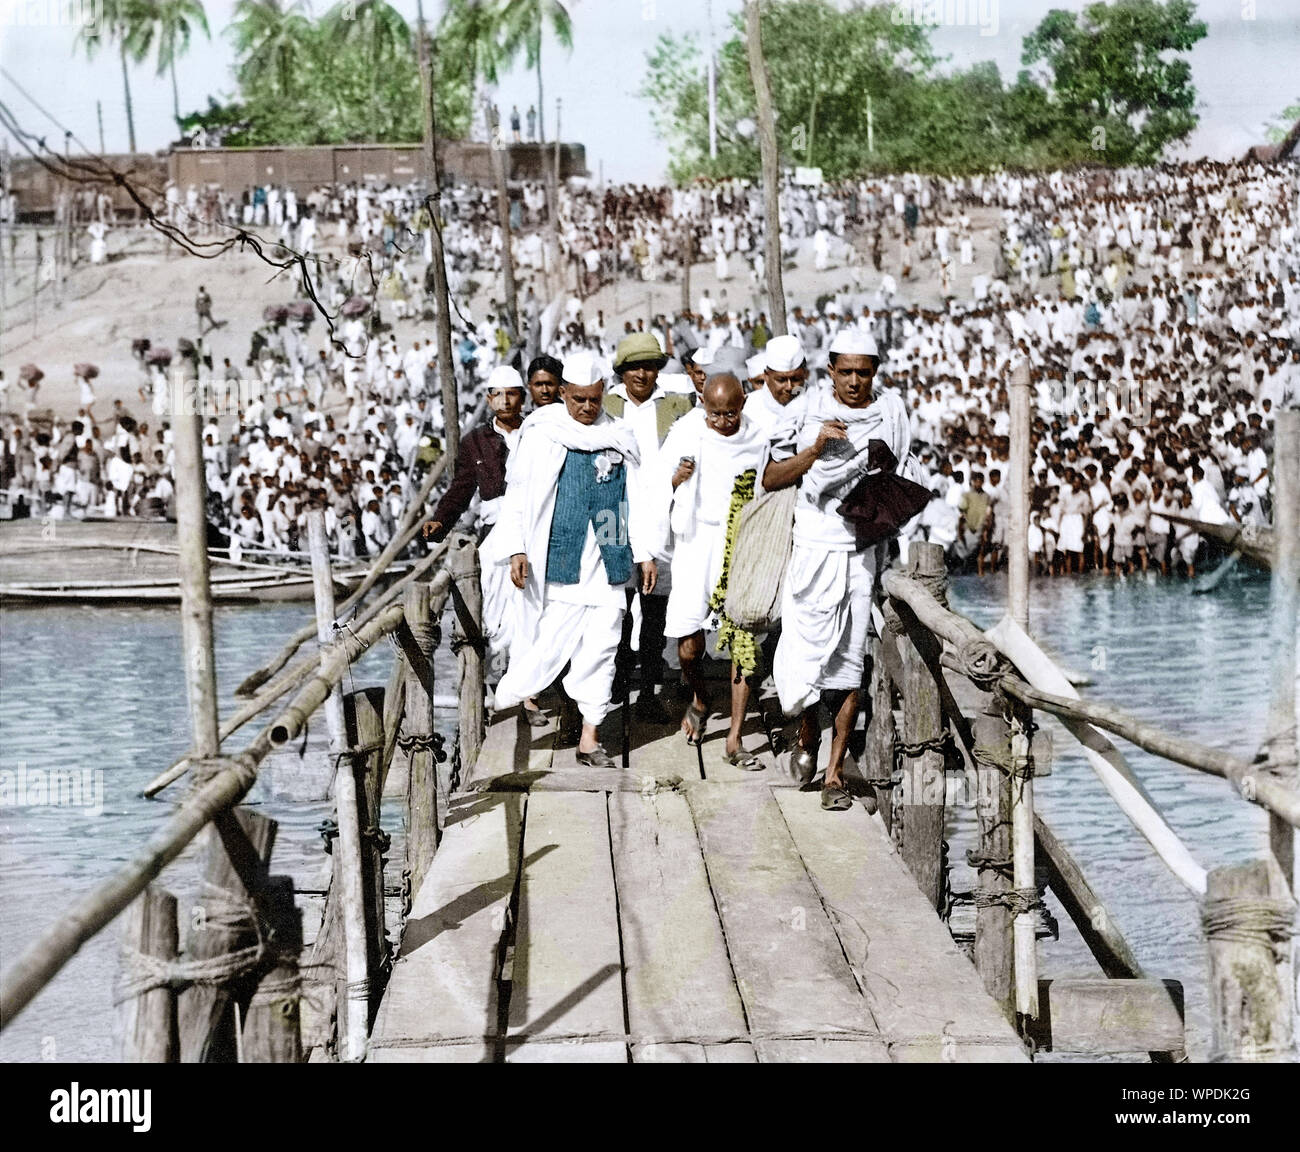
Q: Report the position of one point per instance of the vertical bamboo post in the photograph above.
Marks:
(771, 161)
(354, 1015)
(149, 1034)
(467, 640)
(688, 254)
(1284, 603)
(1024, 941)
(1248, 915)
(364, 716)
(1018, 503)
(272, 1032)
(994, 952)
(422, 779)
(196, 592)
(923, 775)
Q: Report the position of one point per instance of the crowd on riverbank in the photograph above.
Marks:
(1157, 311)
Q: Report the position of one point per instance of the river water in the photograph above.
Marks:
(99, 688)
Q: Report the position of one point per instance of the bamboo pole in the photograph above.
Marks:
(771, 168)
(994, 949)
(1022, 852)
(215, 793)
(411, 523)
(1284, 605)
(297, 674)
(422, 825)
(348, 849)
(1259, 787)
(196, 592)
(1018, 502)
(149, 1034)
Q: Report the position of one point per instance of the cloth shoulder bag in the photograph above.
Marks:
(759, 560)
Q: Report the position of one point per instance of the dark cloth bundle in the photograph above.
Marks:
(882, 501)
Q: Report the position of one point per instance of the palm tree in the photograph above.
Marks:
(166, 28)
(382, 32)
(472, 32)
(524, 22)
(119, 20)
(271, 37)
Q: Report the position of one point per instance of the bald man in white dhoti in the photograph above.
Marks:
(707, 452)
(826, 602)
(573, 529)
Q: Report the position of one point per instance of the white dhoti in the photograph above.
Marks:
(583, 637)
(1072, 532)
(696, 567)
(500, 599)
(825, 615)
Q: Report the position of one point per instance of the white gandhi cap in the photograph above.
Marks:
(854, 342)
(783, 353)
(754, 365)
(504, 377)
(583, 369)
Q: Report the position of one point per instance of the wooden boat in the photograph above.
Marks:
(134, 562)
(1253, 541)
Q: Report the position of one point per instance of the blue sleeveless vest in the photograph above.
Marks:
(581, 500)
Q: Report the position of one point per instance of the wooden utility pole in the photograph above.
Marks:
(688, 254)
(442, 298)
(771, 170)
(1018, 503)
(498, 150)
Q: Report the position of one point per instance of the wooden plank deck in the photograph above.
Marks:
(676, 911)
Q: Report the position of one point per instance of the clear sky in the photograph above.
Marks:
(1245, 70)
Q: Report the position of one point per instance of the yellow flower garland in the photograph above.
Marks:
(731, 637)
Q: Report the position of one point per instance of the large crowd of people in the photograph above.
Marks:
(1156, 314)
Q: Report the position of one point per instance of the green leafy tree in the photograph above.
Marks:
(273, 40)
(524, 22)
(120, 22)
(470, 40)
(1286, 124)
(1115, 75)
(383, 37)
(166, 29)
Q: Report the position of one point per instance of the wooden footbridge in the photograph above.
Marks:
(677, 909)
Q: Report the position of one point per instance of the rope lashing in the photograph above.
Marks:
(227, 911)
(428, 636)
(1263, 920)
(981, 663)
(936, 584)
(1003, 865)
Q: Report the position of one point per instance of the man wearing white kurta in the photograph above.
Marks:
(826, 602)
(573, 528)
(706, 452)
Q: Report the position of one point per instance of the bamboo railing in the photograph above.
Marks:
(244, 970)
(1248, 911)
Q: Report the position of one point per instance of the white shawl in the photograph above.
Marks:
(712, 452)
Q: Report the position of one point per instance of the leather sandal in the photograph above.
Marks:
(596, 758)
(835, 799)
(746, 761)
(535, 718)
(695, 719)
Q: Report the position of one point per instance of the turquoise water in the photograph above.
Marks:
(101, 688)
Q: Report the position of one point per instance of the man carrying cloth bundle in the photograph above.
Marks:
(572, 528)
(835, 446)
(707, 452)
